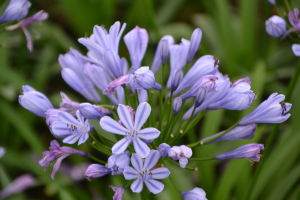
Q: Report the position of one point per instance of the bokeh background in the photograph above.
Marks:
(233, 31)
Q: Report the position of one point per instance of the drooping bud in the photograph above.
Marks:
(90, 111)
(276, 26)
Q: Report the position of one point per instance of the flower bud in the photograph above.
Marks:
(194, 194)
(200, 98)
(276, 26)
(96, 171)
(176, 79)
(194, 44)
(163, 149)
(177, 105)
(90, 111)
(113, 63)
(16, 10)
(296, 49)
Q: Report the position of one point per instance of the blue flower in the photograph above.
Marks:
(269, 111)
(143, 78)
(177, 105)
(163, 149)
(181, 153)
(132, 131)
(57, 154)
(34, 101)
(144, 172)
(16, 10)
(194, 194)
(71, 129)
(176, 79)
(276, 26)
(90, 111)
(296, 49)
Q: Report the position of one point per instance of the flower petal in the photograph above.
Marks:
(83, 138)
(151, 159)
(149, 133)
(59, 129)
(160, 173)
(130, 173)
(137, 162)
(154, 186)
(112, 126)
(120, 146)
(142, 113)
(68, 118)
(137, 186)
(183, 162)
(125, 117)
(72, 138)
(141, 148)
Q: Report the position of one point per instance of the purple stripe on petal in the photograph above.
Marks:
(142, 113)
(137, 162)
(160, 173)
(120, 146)
(154, 186)
(112, 126)
(151, 160)
(130, 173)
(141, 148)
(137, 186)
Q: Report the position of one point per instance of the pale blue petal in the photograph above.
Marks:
(71, 139)
(151, 160)
(112, 126)
(141, 148)
(137, 162)
(154, 186)
(148, 133)
(183, 162)
(137, 186)
(130, 173)
(120, 146)
(68, 118)
(160, 173)
(142, 113)
(59, 129)
(125, 117)
(296, 49)
(83, 138)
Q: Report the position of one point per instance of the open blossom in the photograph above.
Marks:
(143, 78)
(181, 153)
(15, 10)
(118, 192)
(70, 129)
(194, 194)
(57, 154)
(269, 111)
(115, 166)
(34, 101)
(132, 131)
(249, 151)
(143, 171)
(276, 26)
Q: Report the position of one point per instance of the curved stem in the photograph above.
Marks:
(96, 159)
(202, 159)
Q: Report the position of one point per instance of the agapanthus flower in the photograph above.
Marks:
(113, 63)
(201, 96)
(248, 151)
(296, 49)
(143, 78)
(177, 103)
(294, 19)
(90, 111)
(72, 72)
(194, 194)
(181, 153)
(71, 129)
(276, 26)
(118, 192)
(68, 105)
(52, 116)
(115, 166)
(132, 131)
(15, 10)
(269, 111)
(132, 114)
(143, 171)
(194, 44)
(238, 133)
(18, 185)
(34, 101)
(57, 154)
(2, 151)
(115, 84)
(163, 149)
(39, 16)
(176, 79)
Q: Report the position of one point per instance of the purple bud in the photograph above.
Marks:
(238, 133)
(18, 185)
(90, 111)
(296, 49)
(164, 51)
(68, 105)
(176, 79)
(276, 26)
(15, 10)
(118, 192)
(294, 19)
(113, 63)
(194, 45)
(2, 151)
(143, 78)
(177, 105)
(194, 194)
(249, 151)
(163, 149)
(96, 171)
(272, 2)
(34, 101)
(116, 83)
(200, 98)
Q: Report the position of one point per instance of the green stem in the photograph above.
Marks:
(110, 107)
(126, 95)
(104, 137)
(195, 121)
(202, 159)
(161, 98)
(152, 120)
(98, 149)
(136, 97)
(287, 6)
(96, 159)
(187, 168)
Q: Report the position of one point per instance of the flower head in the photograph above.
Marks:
(118, 192)
(269, 111)
(132, 131)
(57, 154)
(276, 26)
(181, 153)
(16, 10)
(194, 194)
(143, 171)
(34, 101)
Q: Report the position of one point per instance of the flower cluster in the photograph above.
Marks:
(141, 147)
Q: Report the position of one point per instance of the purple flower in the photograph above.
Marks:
(144, 172)
(296, 49)
(18, 185)
(132, 131)
(52, 116)
(90, 111)
(181, 153)
(68, 105)
(39, 16)
(194, 194)
(238, 133)
(57, 154)
(177, 105)
(276, 26)
(72, 72)
(115, 84)
(176, 79)
(207, 82)
(162, 52)
(163, 149)
(115, 166)
(34, 101)
(71, 129)
(143, 78)
(269, 111)
(272, 2)
(248, 151)
(15, 10)
(194, 44)
(238, 97)
(200, 98)
(204, 66)
(118, 192)
(2, 151)
(136, 41)
(294, 19)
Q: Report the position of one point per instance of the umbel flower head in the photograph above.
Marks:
(132, 131)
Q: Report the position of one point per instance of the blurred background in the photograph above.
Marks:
(233, 31)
